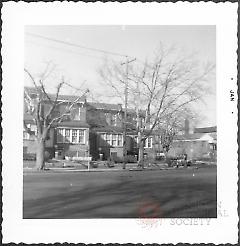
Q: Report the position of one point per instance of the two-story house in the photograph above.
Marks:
(91, 129)
(68, 137)
(96, 129)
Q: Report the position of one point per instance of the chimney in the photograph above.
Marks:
(186, 127)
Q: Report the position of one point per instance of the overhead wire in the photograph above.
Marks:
(83, 47)
(76, 45)
(65, 50)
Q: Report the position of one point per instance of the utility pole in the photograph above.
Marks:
(125, 112)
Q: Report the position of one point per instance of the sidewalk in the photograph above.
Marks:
(117, 168)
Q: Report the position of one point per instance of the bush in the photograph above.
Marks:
(131, 159)
(171, 160)
(94, 164)
(71, 153)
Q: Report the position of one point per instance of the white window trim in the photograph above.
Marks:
(147, 142)
(104, 135)
(78, 131)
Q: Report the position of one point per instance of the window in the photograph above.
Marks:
(74, 136)
(33, 129)
(148, 143)
(81, 138)
(67, 135)
(102, 139)
(70, 135)
(111, 139)
(114, 120)
(60, 135)
(108, 138)
(119, 141)
(114, 140)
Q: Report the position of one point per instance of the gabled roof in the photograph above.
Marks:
(61, 97)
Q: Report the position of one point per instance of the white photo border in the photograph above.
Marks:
(15, 16)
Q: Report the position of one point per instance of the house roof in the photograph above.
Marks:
(205, 129)
(133, 112)
(105, 106)
(114, 107)
(73, 123)
(61, 97)
(193, 136)
(112, 129)
(196, 136)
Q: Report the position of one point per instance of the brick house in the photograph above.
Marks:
(91, 129)
(69, 136)
(97, 128)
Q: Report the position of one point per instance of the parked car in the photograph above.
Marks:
(178, 161)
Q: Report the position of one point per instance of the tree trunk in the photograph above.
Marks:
(141, 154)
(167, 158)
(40, 162)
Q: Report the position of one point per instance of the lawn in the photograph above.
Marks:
(176, 193)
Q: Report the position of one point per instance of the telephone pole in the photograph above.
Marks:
(125, 112)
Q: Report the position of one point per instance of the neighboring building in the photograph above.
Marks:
(202, 142)
(97, 128)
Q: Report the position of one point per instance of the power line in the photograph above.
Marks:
(65, 50)
(76, 45)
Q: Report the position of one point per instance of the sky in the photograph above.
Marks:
(80, 66)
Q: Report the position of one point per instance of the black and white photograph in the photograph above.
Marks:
(120, 122)
(120, 126)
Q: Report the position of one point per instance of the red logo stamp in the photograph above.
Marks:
(149, 213)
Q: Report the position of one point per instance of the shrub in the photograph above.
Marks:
(71, 153)
(94, 164)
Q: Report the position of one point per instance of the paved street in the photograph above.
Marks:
(121, 194)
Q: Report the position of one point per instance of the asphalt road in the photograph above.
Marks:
(178, 193)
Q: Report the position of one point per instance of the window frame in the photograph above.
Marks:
(70, 138)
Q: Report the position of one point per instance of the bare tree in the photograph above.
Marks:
(162, 88)
(42, 108)
(168, 128)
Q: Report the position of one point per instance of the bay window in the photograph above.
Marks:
(112, 139)
(66, 135)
